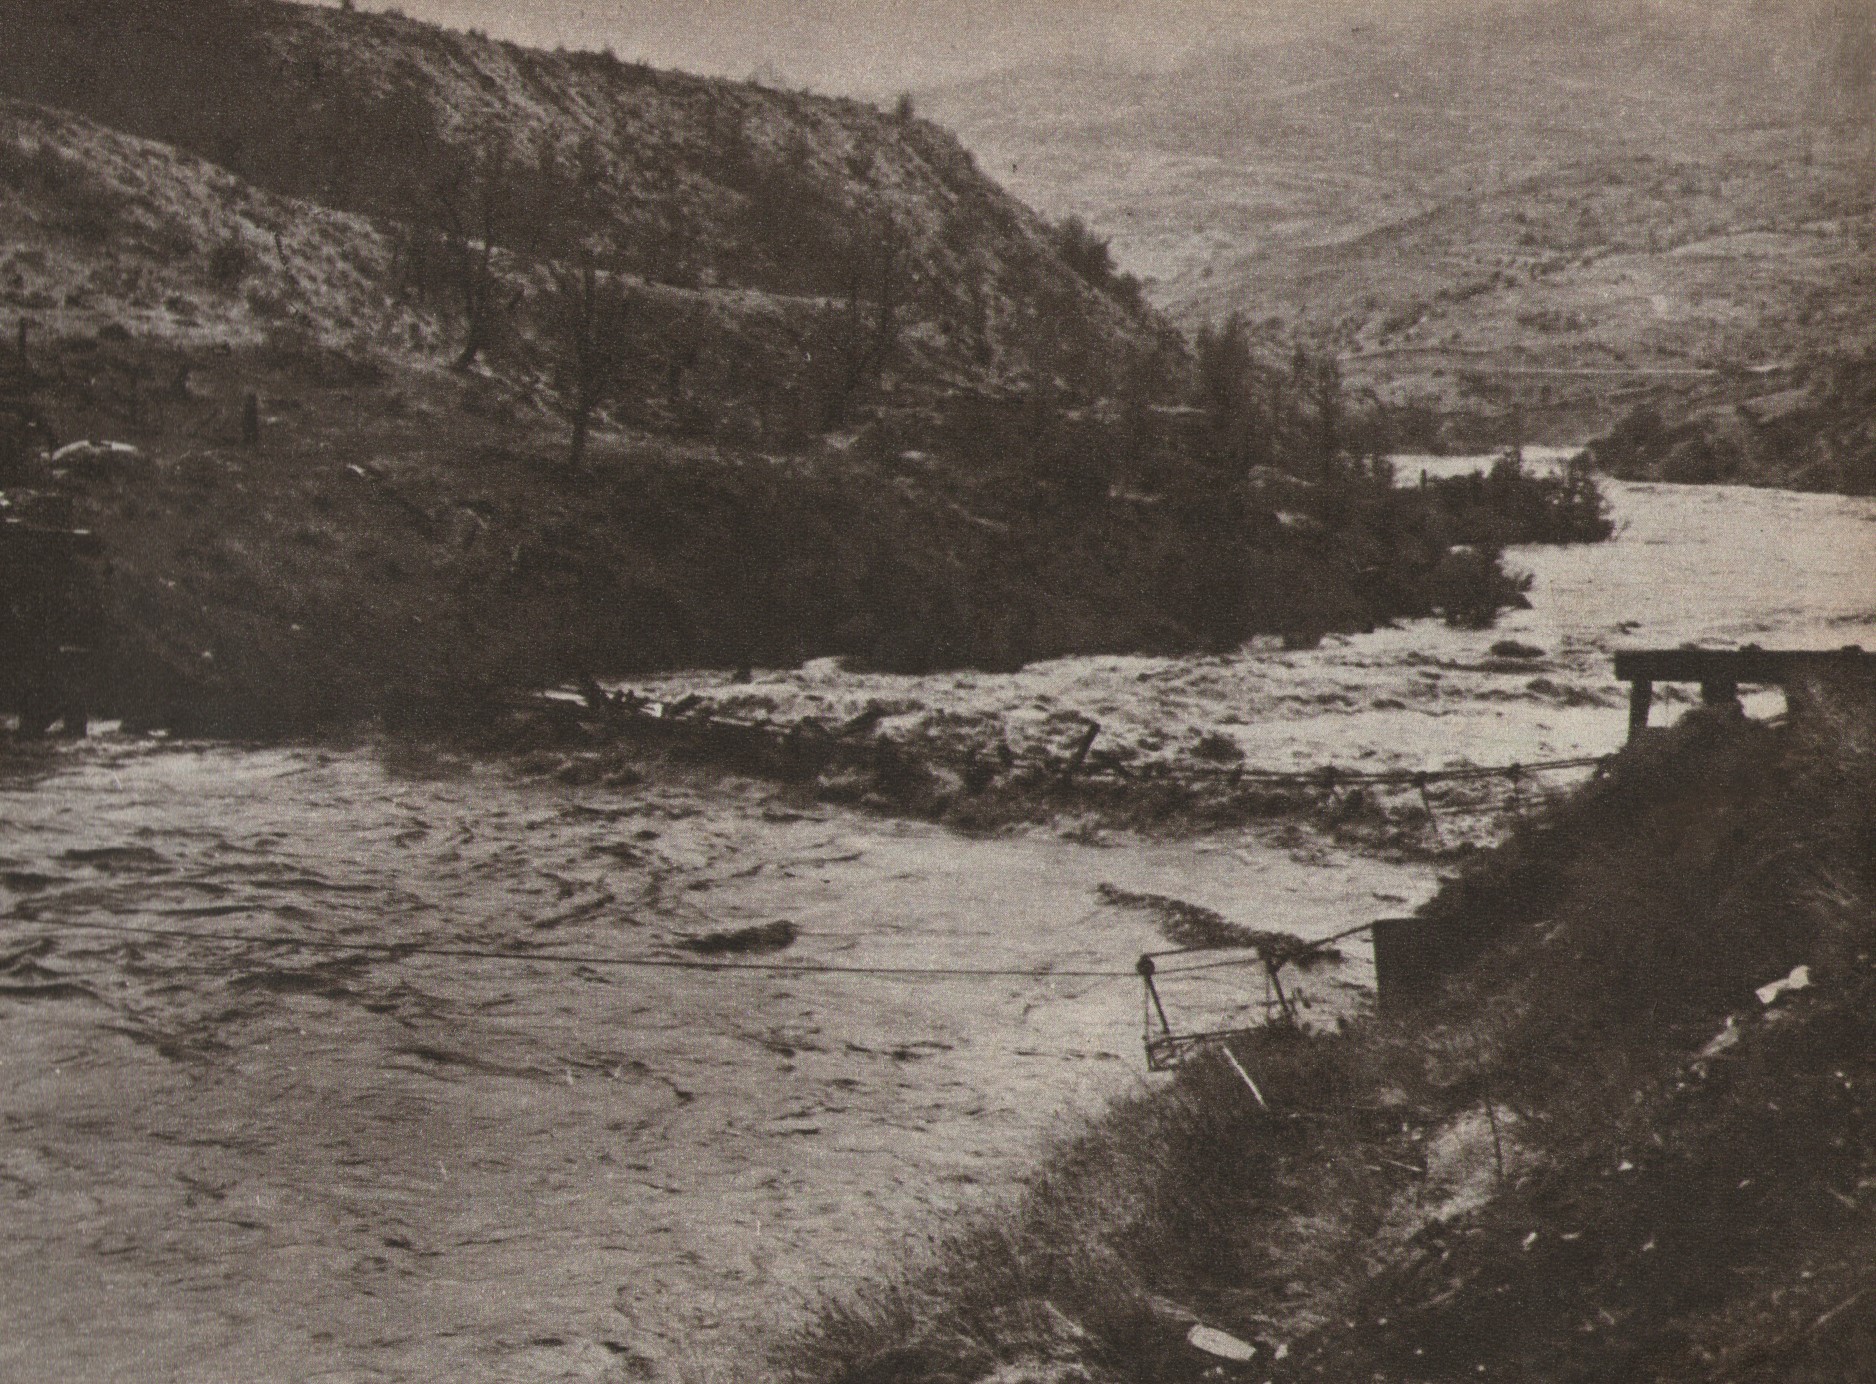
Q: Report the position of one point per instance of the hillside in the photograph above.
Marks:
(104, 230)
(1810, 428)
(329, 520)
(1616, 1146)
(456, 367)
(1564, 209)
(755, 224)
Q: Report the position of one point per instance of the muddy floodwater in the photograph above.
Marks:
(231, 1157)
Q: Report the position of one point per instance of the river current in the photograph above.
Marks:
(230, 1157)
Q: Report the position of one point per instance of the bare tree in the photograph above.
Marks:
(862, 334)
(590, 322)
(1238, 395)
(1317, 380)
(472, 210)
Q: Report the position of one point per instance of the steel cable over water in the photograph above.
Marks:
(397, 951)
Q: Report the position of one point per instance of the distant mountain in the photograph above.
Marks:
(1605, 190)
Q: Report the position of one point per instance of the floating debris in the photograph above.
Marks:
(763, 937)
(1799, 979)
(1198, 928)
(1221, 1344)
(1181, 923)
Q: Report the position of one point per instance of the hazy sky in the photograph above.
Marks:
(865, 46)
(878, 47)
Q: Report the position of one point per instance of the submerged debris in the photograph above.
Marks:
(1195, 926)
(763, 937)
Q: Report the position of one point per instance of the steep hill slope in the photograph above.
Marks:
(331, 521)
(759, 204)
(412, 439)
(101, 230)
(1558, 206)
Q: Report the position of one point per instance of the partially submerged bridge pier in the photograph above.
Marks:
(1721, 672)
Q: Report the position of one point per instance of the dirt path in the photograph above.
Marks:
(237, 1160)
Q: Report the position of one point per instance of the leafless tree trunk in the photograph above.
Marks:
(471, 212)
(865, 341)
(592, 337)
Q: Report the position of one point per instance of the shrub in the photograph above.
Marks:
(1470, 586)
(1084, 251)
(230, 262)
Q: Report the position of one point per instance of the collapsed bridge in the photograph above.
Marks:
(1721, 672)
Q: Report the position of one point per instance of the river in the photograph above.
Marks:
(231, 1157)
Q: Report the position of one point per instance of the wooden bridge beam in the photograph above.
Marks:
(1641, 696)
(1721, 671)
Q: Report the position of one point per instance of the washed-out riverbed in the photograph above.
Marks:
(233, 1158)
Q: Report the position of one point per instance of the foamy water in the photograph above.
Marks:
(1717, 566)
(236, 1159)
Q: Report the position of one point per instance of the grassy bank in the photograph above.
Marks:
(1600, 1156)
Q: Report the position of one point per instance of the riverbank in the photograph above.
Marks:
(1807, 428)
(1187, 741)
(342, 463)
(397, 537)
(1538, 1174)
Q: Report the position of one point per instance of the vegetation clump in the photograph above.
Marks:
(1092, 258)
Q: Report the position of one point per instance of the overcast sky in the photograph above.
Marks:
(865, 46)
(875, 48)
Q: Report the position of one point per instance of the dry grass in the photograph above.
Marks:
(1167, 1209)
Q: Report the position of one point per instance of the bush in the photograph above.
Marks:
(1510, 505)
(230, 262)
(1084, 251)
(1470, 586)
